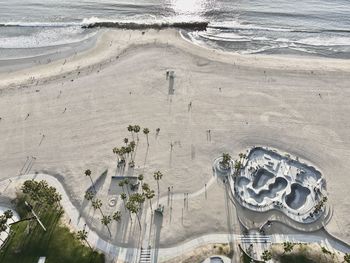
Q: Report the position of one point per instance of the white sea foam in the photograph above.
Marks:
(325, 41)
(46, 37)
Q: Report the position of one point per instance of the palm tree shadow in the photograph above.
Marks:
(170, 158)
(158, 222)
(146, 155)
(99, 182)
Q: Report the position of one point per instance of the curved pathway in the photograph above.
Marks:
(131, 254)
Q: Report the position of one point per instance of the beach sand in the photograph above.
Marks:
(79, 108)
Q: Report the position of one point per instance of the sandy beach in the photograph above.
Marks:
(70, 113)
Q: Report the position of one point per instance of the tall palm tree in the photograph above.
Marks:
(9, 214)
(126, 183)
(89, 195)
(126, 140)
(124, 197)
(117, 216)
(82, 236)
(97, 204)
(149, 194)
(140, 178)
(132, 146)
(88, 173)
(145, 187)
(137, 129)
(3, 228)
(133, 206)
(266, 255)
(106, 220)
(3, 223)
(146, 132)
(131, 130)
(158, 176)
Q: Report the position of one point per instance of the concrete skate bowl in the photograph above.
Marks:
(269, 181)
(270, 193)
(297, 197)
(261, 177)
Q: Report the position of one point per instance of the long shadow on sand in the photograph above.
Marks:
(158, 222)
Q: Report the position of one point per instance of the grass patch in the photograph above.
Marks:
(28, 241)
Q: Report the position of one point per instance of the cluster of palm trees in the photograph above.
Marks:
(8, 214)
(133, 202)
(347, 258)
(38, 193)
(41, 193)
(135, 129)
(97, 204)
(125, 151)
(239, 163)
(321, 204)
(225, 161)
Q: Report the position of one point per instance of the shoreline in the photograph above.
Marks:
(110, 43)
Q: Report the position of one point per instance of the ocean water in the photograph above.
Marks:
(308, 27)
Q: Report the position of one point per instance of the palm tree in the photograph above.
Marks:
(89, 195)
(117, 216)
(126, 140)
(288, 247)
(132, 146)
(97, 204)
(158, 176)
(133, 207)
(146, 132)
(226, 158)
(106, 220)
(145, 187)
(126, 182)
(266, 255)
(88, 173)
(124, 197)
(137, 129)
(140, 178)
(3, 228)
(3, 223)
(82, 236)
(9, 214)
(131, 129)
(149, 194)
